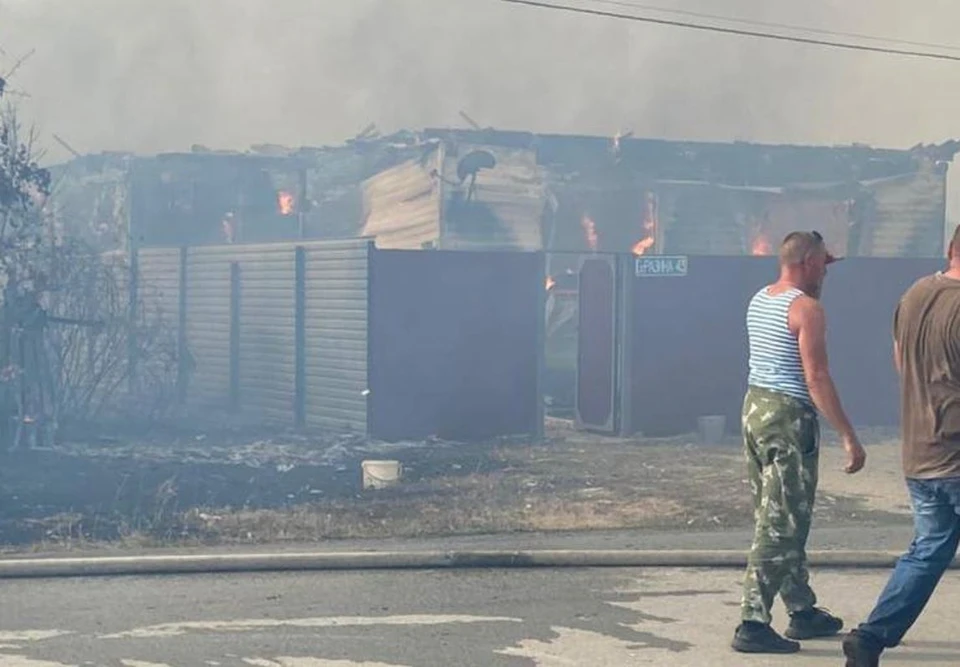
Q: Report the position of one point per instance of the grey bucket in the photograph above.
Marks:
(712, 429)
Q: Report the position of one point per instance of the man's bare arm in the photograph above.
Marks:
(810, 321)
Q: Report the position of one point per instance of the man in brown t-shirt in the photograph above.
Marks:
(926, 343)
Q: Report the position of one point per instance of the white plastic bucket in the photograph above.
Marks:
(381, 474)
(712, 429)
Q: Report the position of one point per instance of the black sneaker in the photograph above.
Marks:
(812, 624)
(759, 638)
(861, 651)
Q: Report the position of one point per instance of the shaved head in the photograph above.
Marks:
(803, 261)
(797, 247)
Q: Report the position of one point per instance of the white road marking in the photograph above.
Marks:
(141, 663)
(574, 648)
(245, 625)
(16, 640)
(31, 635)
(7, 660)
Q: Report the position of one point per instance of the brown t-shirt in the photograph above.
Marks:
(926, 326)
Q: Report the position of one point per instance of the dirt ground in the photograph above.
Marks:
(250, 488)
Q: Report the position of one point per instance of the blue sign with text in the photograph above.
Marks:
(661, 266)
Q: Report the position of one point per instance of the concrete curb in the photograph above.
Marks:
(25, 568)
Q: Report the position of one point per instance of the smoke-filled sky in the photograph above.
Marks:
(154, 75)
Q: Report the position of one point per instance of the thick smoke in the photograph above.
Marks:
(152, 75)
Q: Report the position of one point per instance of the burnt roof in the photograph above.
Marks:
(736, 163)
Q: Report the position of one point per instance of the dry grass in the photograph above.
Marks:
(573, 481)
(559, 486)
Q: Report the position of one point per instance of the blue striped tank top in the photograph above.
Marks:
(775, 362)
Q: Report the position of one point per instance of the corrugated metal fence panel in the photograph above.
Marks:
(159, 284)
(336, 319)
(208, 324)
(119, 265)
(267, 329)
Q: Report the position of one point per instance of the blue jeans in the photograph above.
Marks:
(936, 519)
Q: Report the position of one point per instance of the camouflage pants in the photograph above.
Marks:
(782, 445)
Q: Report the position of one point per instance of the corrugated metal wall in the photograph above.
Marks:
(401, 206)
(909, 216)
(265, 327)
(267, 353)
(159, 284)
(335, 323)
(208, 325)
(283, 333)
(503, 210)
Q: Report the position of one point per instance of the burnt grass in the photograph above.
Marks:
(71, 497)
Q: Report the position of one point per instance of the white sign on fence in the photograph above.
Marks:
(661, 266)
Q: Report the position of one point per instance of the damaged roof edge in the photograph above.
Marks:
(732, 164)
(524, 139)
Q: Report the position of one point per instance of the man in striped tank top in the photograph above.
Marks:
(789, 380)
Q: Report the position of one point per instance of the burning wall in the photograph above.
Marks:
(657, 196)
(831, 216)
(458, 196)
(491, 189)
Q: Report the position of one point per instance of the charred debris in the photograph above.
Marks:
(490, 189)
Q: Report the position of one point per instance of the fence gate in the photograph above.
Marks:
(597, 343)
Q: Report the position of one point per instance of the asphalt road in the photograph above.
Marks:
(514, 618)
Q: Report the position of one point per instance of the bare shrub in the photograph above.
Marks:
(74, 347)
(109, 361)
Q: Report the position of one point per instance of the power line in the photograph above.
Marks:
(768, 24)
(735, 31)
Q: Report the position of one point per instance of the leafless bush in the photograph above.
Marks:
(74, 347)
(108, 360)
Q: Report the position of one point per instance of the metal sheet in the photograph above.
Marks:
(502, 209)
(208, 326)
(689, 345)
(402, 204)
(909, 216)
(267, 355)
(455, 344)
(335, 322)
(159, 284)
(596, 396)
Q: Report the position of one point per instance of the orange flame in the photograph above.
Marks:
(761, 245)
(590, 231)
(643, 245)
(550, 283)
(285, 202)
(650, 221)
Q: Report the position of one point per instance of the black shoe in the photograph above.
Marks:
(813, 624)
(861, 651)
(759, 638)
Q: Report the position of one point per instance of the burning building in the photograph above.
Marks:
(460, 196)
(487, 189)
(469, 190)
(208, 197)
